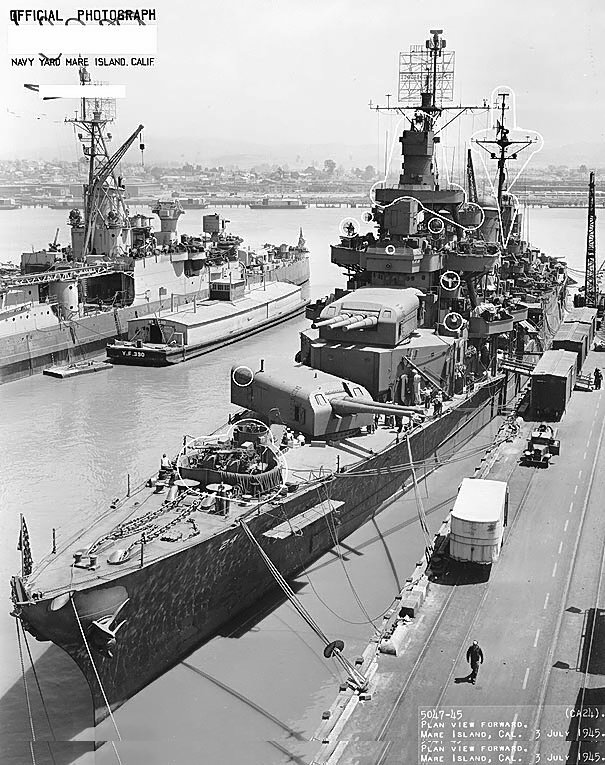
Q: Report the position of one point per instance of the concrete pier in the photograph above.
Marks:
(538, 615)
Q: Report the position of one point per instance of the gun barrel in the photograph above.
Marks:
(334, 320)
(349, 405)
(346, 319)
(369, 321)
(397, 409)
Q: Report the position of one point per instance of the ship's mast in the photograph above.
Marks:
(426, 83)
(506, 149)
(104, 202)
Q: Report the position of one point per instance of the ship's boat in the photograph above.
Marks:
(399, 369)
(67, 302)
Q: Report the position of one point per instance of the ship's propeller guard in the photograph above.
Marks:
(331, 648)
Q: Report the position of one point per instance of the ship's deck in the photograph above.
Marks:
(57, 572)
(210, 311)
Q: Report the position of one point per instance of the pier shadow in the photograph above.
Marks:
(298, 735)
(68, 700)
(585, 731)
(382, 536)
(249, 619)
(592, 655)
(68, 705)
(444, 570)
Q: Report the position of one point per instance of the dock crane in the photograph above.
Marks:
(590, 283)
(96, 189)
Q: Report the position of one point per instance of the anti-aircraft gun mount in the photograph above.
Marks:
(318, 405)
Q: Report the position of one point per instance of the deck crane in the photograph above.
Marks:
(471, 183)
(96, 189)
(103, 202)
(472, 196)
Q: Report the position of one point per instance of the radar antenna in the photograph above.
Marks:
(426, 83)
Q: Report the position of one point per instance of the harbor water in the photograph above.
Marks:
(256, 692)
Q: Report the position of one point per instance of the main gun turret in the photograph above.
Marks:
(319, 405)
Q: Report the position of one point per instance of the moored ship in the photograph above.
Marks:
(240, 303)
(280, 203)
(319, 446)
(67, 302)
(8, 203)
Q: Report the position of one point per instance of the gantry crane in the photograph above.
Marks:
(590, 285)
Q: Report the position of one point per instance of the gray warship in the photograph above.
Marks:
(397, 372)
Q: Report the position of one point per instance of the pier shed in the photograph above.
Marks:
(587, 316)
(574, 337)
(552, 382)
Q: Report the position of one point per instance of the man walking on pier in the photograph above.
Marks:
(474, 656)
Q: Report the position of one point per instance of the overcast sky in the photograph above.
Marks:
(233, 73)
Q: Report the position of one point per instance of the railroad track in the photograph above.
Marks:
(583, 533)
(384, 731)
(581, 748)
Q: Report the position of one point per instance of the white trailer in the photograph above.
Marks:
(477, 521)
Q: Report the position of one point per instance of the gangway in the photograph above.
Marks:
(513, 364)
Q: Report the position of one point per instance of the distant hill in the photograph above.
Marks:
(248, 154)
(572, 154)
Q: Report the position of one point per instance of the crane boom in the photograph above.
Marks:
(95, 188)
(470, 178)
